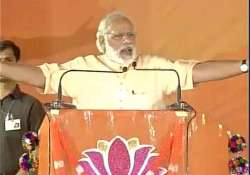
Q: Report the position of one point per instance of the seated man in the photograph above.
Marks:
(116, 40)
(19, 113)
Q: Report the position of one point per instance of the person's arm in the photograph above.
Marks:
(216, 70)
(23, 73)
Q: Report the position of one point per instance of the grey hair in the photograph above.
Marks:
(103, 25)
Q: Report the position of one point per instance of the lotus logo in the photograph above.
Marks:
(120, 157)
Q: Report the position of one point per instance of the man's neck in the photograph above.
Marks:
(120, 61)
(6, 88)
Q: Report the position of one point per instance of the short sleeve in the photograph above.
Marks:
(53, 72)
(48, 70)
(168, 78)
(185, 71)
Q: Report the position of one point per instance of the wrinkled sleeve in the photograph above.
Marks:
(185, 71)
(168, 77)
(53, 73)
(51, 84)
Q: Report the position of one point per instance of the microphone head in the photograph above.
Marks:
(125, 69)
(134, 64)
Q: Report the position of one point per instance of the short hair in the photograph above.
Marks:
(103, 26)
(5, 44)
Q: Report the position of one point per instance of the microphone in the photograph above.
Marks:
(125, 69)
(179, 105)
(59, 103)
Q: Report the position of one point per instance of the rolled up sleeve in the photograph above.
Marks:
(185, 71)
(50, 84)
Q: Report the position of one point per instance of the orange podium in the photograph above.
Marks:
(114, 142)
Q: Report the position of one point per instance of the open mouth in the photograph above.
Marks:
(127, 51)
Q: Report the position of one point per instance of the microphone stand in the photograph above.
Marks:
(179, 105)
(59, 103)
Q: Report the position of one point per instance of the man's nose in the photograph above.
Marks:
(127, 39)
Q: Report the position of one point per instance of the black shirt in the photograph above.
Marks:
(31, 113)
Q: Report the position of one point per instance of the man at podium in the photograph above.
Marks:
(126, 87)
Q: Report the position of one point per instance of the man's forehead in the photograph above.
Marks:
(121, 25)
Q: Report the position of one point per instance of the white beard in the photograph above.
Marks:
(114, 55)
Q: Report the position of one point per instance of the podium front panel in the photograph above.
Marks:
(113, 142)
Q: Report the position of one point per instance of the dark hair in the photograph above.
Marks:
(5, 44)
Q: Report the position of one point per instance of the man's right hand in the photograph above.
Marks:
(23, 73)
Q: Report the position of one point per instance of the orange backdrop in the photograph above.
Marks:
(57, 30)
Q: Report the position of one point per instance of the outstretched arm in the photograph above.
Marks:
(23, 73)
(216, 70)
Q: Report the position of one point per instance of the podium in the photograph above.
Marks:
(117, 142)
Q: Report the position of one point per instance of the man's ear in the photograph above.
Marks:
(102, 43)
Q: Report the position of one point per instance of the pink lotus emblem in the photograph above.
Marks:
(119, 157)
